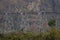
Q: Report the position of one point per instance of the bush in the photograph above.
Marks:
(51, 22)
(52, 34)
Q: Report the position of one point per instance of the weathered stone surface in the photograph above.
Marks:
(28, 15)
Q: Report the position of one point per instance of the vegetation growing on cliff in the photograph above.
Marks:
(51, 34)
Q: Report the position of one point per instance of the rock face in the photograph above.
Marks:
(20, 5)
(17, 5)
(28, 15)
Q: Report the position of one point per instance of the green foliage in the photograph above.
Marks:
(52, 34)
(51, 22)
